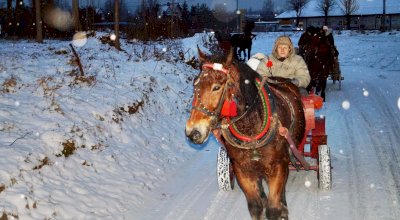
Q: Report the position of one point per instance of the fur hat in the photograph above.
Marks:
(283, 40)
(326, 29)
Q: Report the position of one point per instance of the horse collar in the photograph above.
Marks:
(268, 112)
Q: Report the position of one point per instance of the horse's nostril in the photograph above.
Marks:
(195, 135)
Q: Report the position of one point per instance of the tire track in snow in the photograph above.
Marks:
(385, 141)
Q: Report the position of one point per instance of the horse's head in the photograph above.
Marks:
(318, 37)
(213, 89)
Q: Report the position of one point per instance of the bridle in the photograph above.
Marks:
(199, 106)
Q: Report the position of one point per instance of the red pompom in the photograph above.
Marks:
(233, 109)
(269, 64)
(229, 109)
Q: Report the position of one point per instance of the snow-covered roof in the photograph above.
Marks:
(367, 7)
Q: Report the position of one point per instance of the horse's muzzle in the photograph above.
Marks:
(195, 136)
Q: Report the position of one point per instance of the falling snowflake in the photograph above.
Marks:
(16, 103)
(113, 37)
(79, 39)
(341, 151)
(58, 19)
(398, 103)
(365, 93)
(346, 104)
(164, 49)
(307, 183)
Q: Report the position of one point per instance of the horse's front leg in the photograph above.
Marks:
(242, 52)
(235, 52)
(253, 191)
(277, 209)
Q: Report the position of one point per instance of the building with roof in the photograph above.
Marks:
(368, 15)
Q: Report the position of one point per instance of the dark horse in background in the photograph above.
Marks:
(250, 119)
(240, 42)
(317, 53)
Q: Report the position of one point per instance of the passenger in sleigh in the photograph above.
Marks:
(283, 62)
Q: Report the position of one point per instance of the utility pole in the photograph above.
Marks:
(172, 19)
(384, 16)
(238, 16)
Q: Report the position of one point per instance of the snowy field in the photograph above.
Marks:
(111, 144)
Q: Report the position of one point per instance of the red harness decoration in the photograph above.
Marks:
(266, 121)
(229, 109)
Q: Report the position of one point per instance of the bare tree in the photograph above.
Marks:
(325, 6)
(297, 6)
(9, 19)
(348, 7)
(75, 15)
(267, 10)
(38, 14)
(116, 24)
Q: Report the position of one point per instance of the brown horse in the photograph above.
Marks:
(249, 119)
(319, 58)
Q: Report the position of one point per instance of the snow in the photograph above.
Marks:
(132, 159)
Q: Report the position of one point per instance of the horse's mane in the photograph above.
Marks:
(247, 77)
(247, 82)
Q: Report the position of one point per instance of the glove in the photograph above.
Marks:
(259, 56)
(253, 63)
(295, 81)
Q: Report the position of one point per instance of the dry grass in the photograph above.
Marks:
(119, 112)
(44, 162)
(9, 85)
(68, 148)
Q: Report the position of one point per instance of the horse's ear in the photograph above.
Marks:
(229, 58)
(202, 56)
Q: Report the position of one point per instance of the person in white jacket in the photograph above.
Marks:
(283, 62)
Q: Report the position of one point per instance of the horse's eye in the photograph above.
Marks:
(216, 88)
